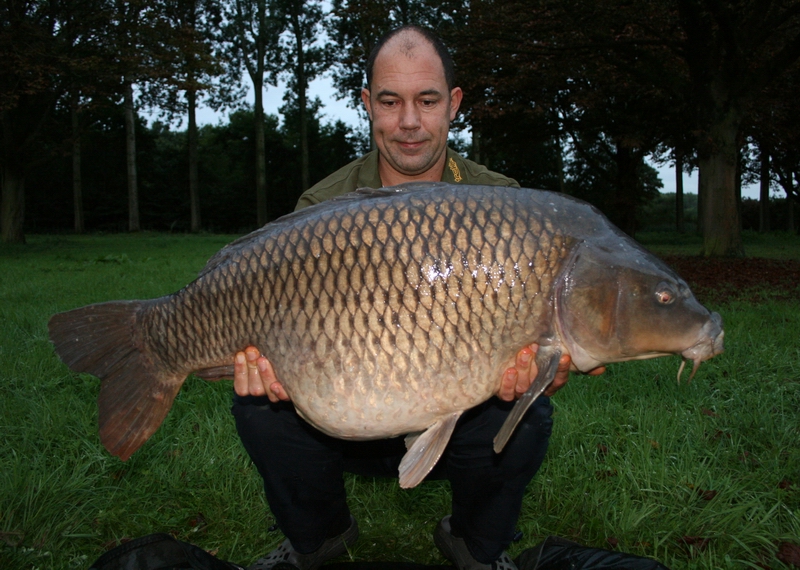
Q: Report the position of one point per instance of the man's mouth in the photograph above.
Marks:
(410, 145)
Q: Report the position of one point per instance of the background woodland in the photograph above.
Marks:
(566, 95)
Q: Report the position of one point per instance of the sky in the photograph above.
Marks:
(334, 110)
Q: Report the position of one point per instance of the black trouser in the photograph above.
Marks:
(302, 470)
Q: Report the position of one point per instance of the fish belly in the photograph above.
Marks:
(380, 317)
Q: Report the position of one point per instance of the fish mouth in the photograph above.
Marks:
(708, 345)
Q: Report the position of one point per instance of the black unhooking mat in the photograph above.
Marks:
(163, 552)
(159, 551)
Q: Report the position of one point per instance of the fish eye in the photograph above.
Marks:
(664, 294)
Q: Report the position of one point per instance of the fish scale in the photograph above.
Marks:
(383, 313)
(459, 281)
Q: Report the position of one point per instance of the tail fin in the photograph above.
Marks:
(106, 340)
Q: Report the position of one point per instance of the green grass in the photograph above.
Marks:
(634, 457)
(774, 245)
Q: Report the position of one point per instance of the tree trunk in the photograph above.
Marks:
(305, 176)
(261, 165)
(77, 183)
(627, 191)
(302, 89)
(194, 191)
(477, 155)
(680, 225)
(738, 185)
(562, 180)
(130, 138)
(722, 229)
(763, 202)
(700, 203)
(12, 206)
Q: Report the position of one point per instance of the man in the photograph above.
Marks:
(411, 98)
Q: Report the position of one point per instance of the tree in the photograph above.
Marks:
(771, 127)
(355, 26)
(27, 96)
(303, 60)
(597, 173)
(77, 182)
(252, 33)
(226, 167)
(787, 171)
(46, 49)
(543, 60)
(127, 32)
(87, 86)
(733, 52)
(763, 199)
(523, 147)
(139, 27)
(189, 54)
(704, 61)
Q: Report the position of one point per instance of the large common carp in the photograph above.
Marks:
(388, 312)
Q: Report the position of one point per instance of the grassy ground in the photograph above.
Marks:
(705, 475)
(775, 245)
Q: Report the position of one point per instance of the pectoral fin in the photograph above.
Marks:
(425, 451)
(411, 438)
(547, 363)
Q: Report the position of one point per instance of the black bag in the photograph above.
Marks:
(159, 552)
(557, 553)
(162, 552)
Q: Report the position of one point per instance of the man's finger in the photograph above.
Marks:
(525, 372)
(277, 393)
(562, 375)
(240, 374)
(269, 382)
(507, 385)
(254, 384)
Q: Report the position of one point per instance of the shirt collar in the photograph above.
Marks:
(370, 178)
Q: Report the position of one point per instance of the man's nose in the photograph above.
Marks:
(410, 117)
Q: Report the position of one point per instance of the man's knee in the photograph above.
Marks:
(525, 452)
(538, 421)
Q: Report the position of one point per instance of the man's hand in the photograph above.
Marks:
(518, 378)
(253, 376)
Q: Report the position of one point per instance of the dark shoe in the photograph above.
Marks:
(286, 554)
(456, 551)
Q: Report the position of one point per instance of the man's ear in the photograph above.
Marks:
(455, 101)
(366, 101)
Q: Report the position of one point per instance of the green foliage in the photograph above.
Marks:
(521, 147)
(538, 76)
(774, 245)
(612, 177)
(778, 213)
(634, 456)
(49, 189)
(226, 173)
(331, 145)
(659, 213)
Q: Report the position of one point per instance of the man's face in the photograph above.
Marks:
(411, 109)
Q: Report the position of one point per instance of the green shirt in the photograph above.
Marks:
(363, 173)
